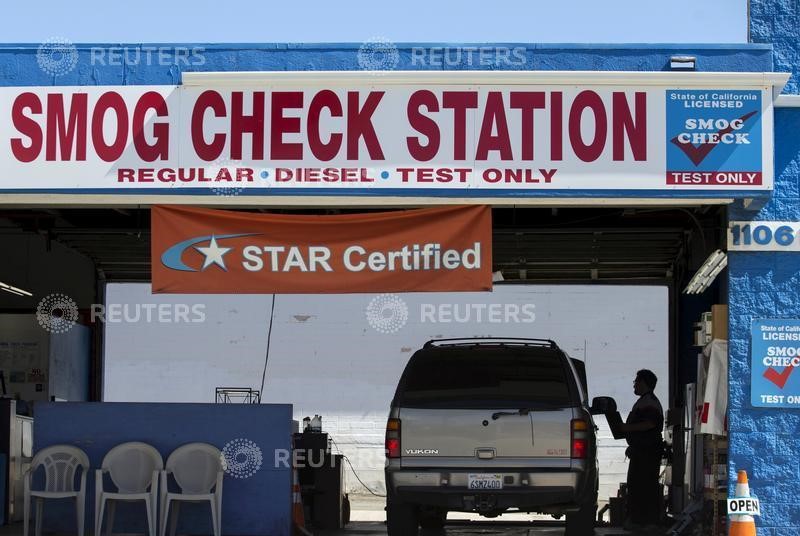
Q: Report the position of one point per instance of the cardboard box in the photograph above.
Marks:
(719, 322)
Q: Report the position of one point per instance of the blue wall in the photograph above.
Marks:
(257, 505)
(777, 22)
(766, 442)
(19, 67)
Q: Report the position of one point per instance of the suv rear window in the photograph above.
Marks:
(492, 377)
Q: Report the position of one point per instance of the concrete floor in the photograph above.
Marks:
(453, 528)
(368, 519)
(470, 528)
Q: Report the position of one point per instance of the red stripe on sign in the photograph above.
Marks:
(715, 178)
(704, 416)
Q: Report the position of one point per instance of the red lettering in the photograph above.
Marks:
(114, 102)
(321, 150)
(460, 101)
(622, 125)
(494, 117)
(359, 125)
(527, 102)
(556, 126)
(62, 132)
(280, 150)
(160, 147)
(424, 125)
(251, 124)
(548, 174)
(207, 151)
(27, 127)
(146, 175)
(592, 151)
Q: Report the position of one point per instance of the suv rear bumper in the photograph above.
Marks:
(561, 499)
(535, 491)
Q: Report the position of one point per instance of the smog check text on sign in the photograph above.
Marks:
(398, 138)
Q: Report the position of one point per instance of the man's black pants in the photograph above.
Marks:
(645, 493)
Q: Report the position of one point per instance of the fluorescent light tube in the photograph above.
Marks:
(14, 290)
(703, 278)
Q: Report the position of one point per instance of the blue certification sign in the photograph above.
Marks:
(775, 354)
(714, 138)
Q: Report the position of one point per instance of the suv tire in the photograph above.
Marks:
(433, 520)
(402, 519)
(581, 523)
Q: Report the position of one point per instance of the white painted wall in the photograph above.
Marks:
(62, 359)
(326, 358)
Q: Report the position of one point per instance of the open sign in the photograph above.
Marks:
(744, 506)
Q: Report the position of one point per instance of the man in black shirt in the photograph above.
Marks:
(642, 431)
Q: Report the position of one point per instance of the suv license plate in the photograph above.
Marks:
(484, 481)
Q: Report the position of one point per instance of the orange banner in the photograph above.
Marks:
(217, 251)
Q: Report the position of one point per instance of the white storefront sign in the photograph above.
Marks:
(457, 134)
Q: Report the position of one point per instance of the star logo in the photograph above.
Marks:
(172, 258)
(213, 254)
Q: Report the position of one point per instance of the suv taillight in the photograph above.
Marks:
(393, 438)
(579, 439)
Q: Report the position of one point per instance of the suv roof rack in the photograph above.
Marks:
(500, 341)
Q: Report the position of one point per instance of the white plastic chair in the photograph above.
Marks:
(197, 469)
(61, 464)
(133, 468)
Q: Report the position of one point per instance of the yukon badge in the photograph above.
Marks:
(417, 452)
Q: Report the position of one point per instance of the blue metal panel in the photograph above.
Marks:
(258, 505)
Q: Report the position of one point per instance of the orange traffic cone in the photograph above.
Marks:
(742, 525)
(298, 515)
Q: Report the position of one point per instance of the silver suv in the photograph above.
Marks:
(490, 425)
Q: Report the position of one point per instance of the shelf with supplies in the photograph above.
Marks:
(715, 483)
(713, 324)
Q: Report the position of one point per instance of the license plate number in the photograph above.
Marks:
(483, 481)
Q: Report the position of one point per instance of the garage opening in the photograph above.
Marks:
(604, 283)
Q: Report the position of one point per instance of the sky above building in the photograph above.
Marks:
(249, 21)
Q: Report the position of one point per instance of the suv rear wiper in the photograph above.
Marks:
(522, 411)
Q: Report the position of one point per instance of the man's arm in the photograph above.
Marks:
(651, 417)
(642, 426)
